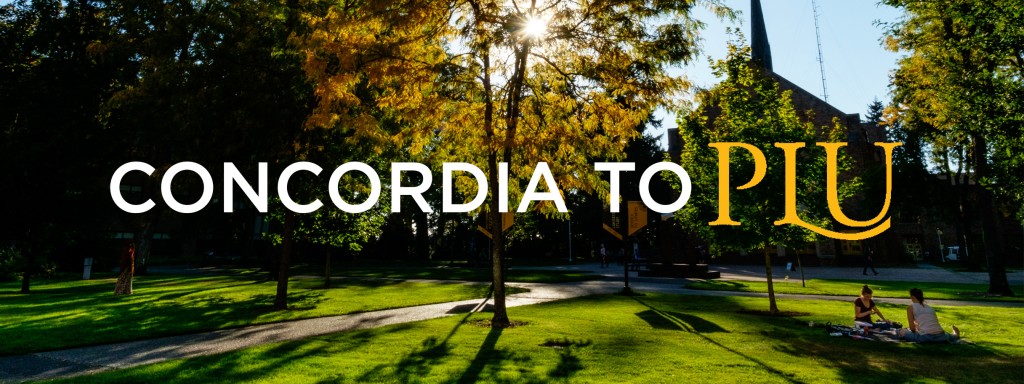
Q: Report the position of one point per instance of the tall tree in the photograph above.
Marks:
(962, 76)
(51, 144)
(748, 107)
(909, 167)
(212, 82)
(517, 83)
(329, 227)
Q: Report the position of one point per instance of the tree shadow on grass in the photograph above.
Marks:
(864, 361)
(490, 364)
(162, 306)
(237, 367)
(484, 356)
(345, 282)
(140, 317)
(72, 314)
(676, 321)
(723, 285)
(660, 319)
(879, 362)
(419, 362)
(568, 363)
(297, 301)
(415, 364)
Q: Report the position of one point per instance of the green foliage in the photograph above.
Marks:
(10, 263)
(748, 107)
(90, 85)
(608, 338)
(329, 225)
(960, 84)
(53, 150)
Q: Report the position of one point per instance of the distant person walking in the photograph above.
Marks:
(604, 256)
(869, 260)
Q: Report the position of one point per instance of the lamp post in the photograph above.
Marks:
(938, 234)
(570, 240)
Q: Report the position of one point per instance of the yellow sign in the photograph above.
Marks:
(637, 217)
(507, 219)
(612, 231)
(485, 232)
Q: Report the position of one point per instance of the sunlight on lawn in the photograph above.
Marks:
(654, 338)
(60, 315)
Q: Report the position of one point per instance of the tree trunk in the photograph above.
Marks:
(768, 274)
(998, 284)
(803, 281)
(422, 235)
(30, 265)
(327, 267)
(964, 234)
(500, 319)
(140, 247)
(144, 249)
(442, 238)
(281, 300)
(25, 281)
(124, 279)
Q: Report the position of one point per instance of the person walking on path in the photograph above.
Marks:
(869, 260)
(604, 256)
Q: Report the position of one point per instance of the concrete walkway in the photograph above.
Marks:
(922, 273)
(86, 360)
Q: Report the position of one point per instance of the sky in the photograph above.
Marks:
(856, 66)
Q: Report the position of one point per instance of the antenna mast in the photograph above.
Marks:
(821, 60)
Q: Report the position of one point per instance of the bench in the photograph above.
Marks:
(636, 264)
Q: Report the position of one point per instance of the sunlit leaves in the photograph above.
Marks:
(446, 76)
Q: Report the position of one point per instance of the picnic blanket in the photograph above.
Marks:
(875, 332)
(879, 331)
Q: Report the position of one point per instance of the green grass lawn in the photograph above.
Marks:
(614, 339)
(468, 274)
(892, 289)
(63, 314)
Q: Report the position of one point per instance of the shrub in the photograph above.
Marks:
(10, 263)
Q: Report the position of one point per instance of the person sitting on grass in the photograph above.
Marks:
(924, 325)
(863, 307)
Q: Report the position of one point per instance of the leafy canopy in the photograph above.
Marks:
(748, 107)
(467, 79)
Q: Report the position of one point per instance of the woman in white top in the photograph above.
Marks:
(924, 325)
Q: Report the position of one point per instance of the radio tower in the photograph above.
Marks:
(821, 60)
